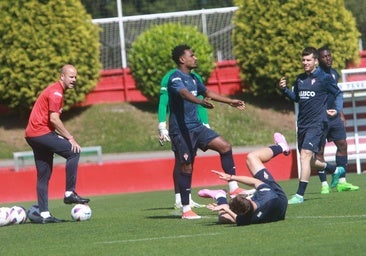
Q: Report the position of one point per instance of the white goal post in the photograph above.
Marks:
(118, 33)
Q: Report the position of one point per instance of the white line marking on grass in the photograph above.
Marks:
(327, 217)
(157, 238)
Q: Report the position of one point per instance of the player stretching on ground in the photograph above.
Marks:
(267, 204)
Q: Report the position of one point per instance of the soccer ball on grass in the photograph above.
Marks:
(81, 212)
(4, 216)
(18, 215)
(33, 213)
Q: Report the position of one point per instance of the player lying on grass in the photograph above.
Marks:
(269, 201)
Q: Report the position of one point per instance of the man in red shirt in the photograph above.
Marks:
(46, 134)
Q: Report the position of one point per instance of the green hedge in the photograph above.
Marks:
(150, 56)
(269, 37)
(36, 39)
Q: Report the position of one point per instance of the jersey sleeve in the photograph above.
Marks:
(163, 109)
(202, 112)
(163, 105)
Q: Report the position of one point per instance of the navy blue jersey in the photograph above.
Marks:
(271, 201)
(183, 113)
(333, 102)
(311, 92)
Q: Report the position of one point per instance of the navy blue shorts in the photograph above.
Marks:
(265, 176)
(336, 130)
(185, 145)
(312, 138)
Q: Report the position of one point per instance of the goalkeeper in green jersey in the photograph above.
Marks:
(163, 110)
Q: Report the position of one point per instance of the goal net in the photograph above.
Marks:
(215, 23)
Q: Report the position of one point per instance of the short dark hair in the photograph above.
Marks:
(241, 205)
(324, 48)
(178, 51)
(310, 50)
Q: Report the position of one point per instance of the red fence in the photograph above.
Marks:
(118, 85)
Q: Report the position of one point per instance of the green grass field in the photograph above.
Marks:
(146, 224)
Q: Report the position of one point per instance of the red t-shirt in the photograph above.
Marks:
(50, 100)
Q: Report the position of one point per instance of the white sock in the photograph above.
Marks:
(233, 185)
(68, 193)
(282, 146)
(186, 208)
(220, 194)
(325, 184)
(342, 180)
(45, 214)
(177, 198)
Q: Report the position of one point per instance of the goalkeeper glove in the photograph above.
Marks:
(163, 133)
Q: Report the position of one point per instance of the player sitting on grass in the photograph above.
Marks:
(269, 201)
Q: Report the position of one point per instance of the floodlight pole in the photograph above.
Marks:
(123, 47)
(121, 33)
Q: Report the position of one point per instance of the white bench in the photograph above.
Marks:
(20, 157)
(354, 109)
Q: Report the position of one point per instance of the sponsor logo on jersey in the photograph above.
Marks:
(306, 94)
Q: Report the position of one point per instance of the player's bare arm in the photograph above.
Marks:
(239, 104)
(250, 181)
(60, 129)
(185, 94)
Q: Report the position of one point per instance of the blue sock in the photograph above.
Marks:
(276, 149)
(302, 187)
(330, 168)
(322, 175)
(342, 161)
(227, 162)
(185, 180)
(221, 200)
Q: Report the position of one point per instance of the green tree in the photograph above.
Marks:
(358, 8)
(150, 56)
(36, 39)
(270, 35)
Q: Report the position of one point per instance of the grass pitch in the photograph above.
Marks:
(146, 224)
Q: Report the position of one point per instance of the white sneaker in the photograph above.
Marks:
(192, 203)
(178, 206)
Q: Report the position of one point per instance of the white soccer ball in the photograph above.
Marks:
(33, 213)
(81, 212)
(18, 215)
(4, 216)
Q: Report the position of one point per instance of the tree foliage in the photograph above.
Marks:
(37, 38)
(358, 9)
(150, 56)
(270, 35)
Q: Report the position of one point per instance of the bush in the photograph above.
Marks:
(150, 55)
(37, 38)
(269, 37)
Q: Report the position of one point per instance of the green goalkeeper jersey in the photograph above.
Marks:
(163, 109)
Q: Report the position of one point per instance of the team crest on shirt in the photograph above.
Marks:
(185, 156)
(58, 94)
